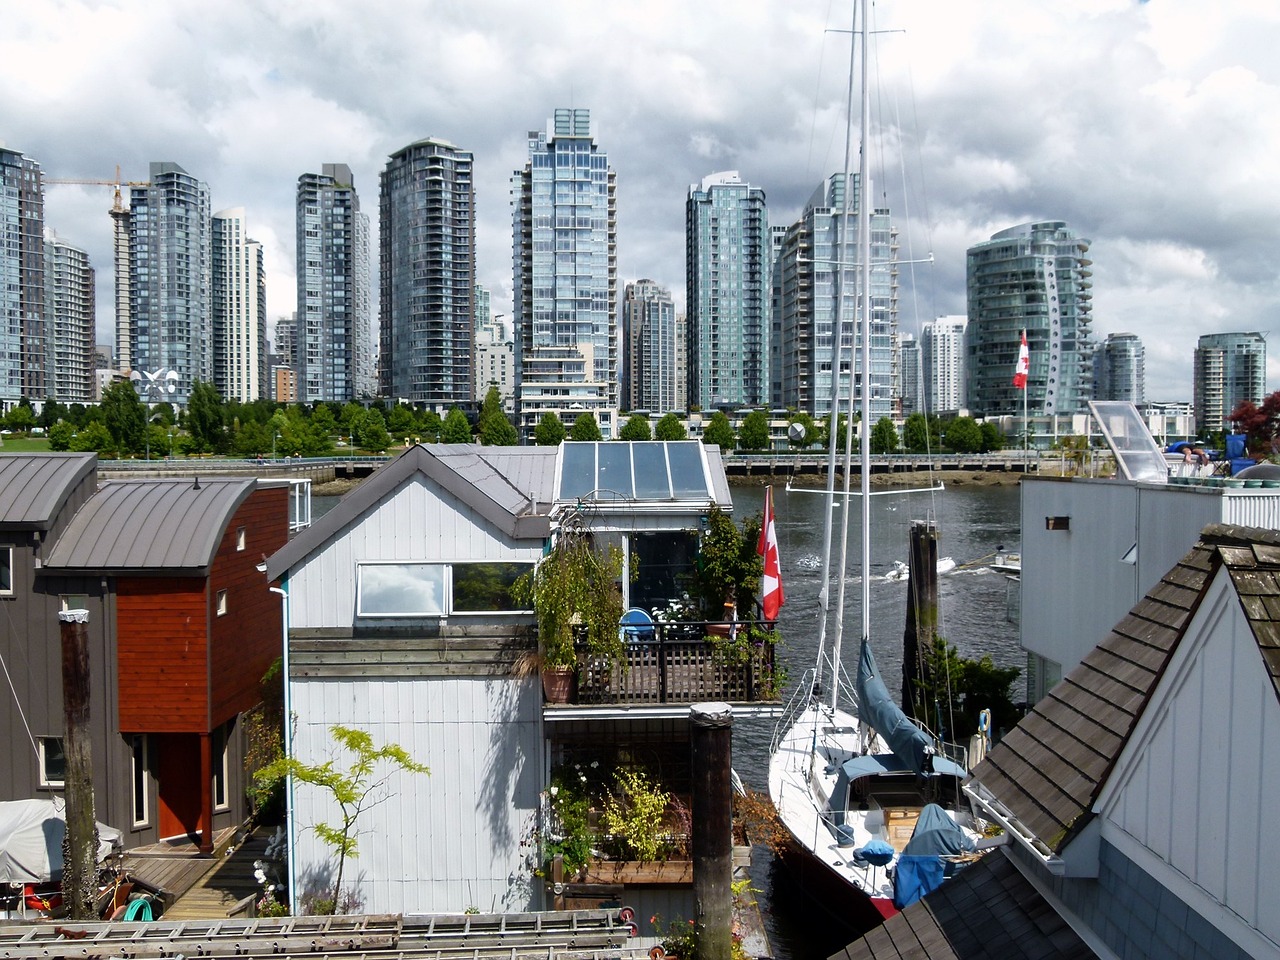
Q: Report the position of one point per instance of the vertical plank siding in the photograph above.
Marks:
(248, 639)
(163, 625)
(416, 524)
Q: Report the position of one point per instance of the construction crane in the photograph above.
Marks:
(117, 206)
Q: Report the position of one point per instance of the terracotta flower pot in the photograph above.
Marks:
(558, 684)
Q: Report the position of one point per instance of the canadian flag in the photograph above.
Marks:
(771, 597)
(1024, 365)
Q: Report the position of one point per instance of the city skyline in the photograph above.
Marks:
(1153, 150)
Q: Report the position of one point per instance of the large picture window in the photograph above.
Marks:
(436, 589)
(401, 590)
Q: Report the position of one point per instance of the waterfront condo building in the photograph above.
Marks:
(942, 357)
(427, 242)
(1032, 278)
(1229, 369)
(333, 354)
(910, 379)
(239, 310)
(495, 361)
(564, 277)
(1119, 369)
(727, 276)
(71, 312)
(170, 272)
(22, 289)
(807, 285)
(649, 348)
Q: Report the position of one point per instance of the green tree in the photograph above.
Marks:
(163, 413)
(670, 428)
(400, 421)
(61, 435)
(992, 438)
(429, 425)
(754, 434)
(253, 439)
(884, 436)
(495, 430)
(353, 789)
(550, 431)
(842, 432)
(20, 419)
(456, 428)
(124, 417)
(915, 433)
(373, 434)
(585, 429)
(322, 419)
(636, 428)
(952, 690)
(204, 417)
(963, 435)
(93, 438)
(811, 431)
(51, 413)
(719, 431)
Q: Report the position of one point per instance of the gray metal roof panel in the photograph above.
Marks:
(150, 525)
(475, 480)
(34, 485)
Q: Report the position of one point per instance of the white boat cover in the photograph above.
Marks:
(31, 833)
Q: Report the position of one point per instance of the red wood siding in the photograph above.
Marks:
(162, 626)
(247, 639)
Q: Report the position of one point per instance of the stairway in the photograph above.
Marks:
(228, 882)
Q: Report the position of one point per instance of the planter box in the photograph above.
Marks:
(648, 872)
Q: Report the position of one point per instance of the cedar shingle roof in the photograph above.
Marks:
(1050, 769)
(988, 910)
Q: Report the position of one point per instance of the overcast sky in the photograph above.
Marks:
(1152, 129)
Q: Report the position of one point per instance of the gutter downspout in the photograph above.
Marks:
(288, 747)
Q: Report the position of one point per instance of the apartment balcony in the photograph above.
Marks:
(683, 662)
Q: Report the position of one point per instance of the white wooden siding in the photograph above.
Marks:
(442, 842)
(416, 523)
(1194, 783)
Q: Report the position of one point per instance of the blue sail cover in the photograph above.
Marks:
(937, 834)
(907, 741)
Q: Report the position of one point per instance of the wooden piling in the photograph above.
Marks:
(922, 612)
(80, 844)
(711, 748)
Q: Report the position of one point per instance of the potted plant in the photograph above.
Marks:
(576, 597)
(729, 568)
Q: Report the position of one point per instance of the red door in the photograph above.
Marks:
(178, 770)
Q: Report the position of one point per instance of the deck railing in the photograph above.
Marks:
(678, 663)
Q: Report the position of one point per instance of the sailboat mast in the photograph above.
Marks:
(833, 417)
(863, 378)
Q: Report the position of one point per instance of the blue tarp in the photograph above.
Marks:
(876, 851)
(936, 834)
(877, 708)
(914, 877)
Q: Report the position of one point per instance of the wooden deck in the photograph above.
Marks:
(173, 868)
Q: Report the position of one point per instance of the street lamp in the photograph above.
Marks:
(274, 434)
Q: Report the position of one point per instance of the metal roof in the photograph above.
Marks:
(34, 485)
(472, 474)
(988, 911)
(150, 525)
(1052, 766)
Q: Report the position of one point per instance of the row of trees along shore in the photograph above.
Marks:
(122, 425)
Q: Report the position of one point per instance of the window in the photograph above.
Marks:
(138, 772)
(436, 589)
(486, 587)
(74, 601)
(222, 602)
(239, 538)
(400, 590)
(6, 571)
(220, 770)
(53, 762)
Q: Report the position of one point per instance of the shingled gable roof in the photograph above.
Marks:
(989, 911)
(150, 526)
(458, 468)
(1049, 771)
(34, 485)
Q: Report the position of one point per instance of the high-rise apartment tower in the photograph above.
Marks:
(648, 348)
(1228, 369)
(71, 313)
(564, 277)
(23, 362)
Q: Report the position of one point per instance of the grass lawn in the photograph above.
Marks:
(10, 444)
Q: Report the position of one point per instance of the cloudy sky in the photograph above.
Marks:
(1151, 128)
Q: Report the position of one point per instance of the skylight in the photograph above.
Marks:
(612, 470)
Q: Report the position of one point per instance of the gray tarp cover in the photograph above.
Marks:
(31, 833)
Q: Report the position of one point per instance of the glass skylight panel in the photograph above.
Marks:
(613, 472)
(688, 479)
(1136, 451)
(652, 481)
(577, 470)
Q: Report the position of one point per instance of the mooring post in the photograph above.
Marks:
(80, 844)
(922, 614)
(711, 747)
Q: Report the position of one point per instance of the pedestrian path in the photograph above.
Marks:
(228, 881)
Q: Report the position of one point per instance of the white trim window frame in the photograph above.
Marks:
(139, 783)
(6, 570)
(49, 762)
(397, 589)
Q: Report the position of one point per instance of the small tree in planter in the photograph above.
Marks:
(575, 588)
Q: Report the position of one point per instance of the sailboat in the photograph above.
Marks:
(870, 801)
